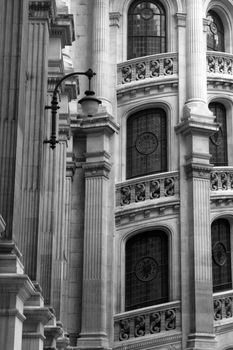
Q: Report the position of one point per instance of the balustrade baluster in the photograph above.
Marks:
(147, 69)
(147, 190)
(132, 192)
(163, 320)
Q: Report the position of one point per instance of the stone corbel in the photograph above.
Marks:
(181, 19)
(114, 18)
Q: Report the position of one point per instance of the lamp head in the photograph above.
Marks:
(89, 103)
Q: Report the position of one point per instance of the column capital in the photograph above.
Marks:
(181, 19)
(97, 169)
(197, 170)
(99, 123)
(114, 18)
(19, 284)
(70, 169)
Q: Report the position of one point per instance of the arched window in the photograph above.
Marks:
(146, 142)
(146, 270)
(146, 28)
(215, 32)
(218, 141)
(221, 255)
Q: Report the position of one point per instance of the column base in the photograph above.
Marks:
(92, 341)
(200, 341)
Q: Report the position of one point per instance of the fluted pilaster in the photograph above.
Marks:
(38, 36)
(13, 51)
(100, 51)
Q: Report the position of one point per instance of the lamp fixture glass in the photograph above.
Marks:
(89, 103)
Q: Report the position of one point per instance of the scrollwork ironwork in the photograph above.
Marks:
(126, 74)
(211, 64)
(169, 187)
(224, 181)
(214, 181)
(168, 66)
(124, 329)
(140, 70)
(155, 322)
(154, 68)
(217, 309)
(221, 65)
(139, 329)
(140, 193)
(228, 307)
(125, 195)
(170, 319)
(155, 189)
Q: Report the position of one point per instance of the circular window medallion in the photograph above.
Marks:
(219, 254)
(147, 13)
(146, 269)
(213, 28)
(216, 138)
(146, 143)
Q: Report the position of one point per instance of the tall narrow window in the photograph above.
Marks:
(218, 141)
(215, 32)
(146, 270)
(146, 142)
(146, 28)
(221, 255)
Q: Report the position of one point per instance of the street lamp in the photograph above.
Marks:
(89, 104)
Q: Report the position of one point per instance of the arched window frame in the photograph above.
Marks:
(215, 29)
(224, 11)
(136, 114)
(173, 245)
(145, 284)
(163, 48)
(219, 104)
(217, 260)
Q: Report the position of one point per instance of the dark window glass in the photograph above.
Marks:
(146, 143)
(215, 32)
(218, 141)
(221, 255)
(146, 270)
(146, 28)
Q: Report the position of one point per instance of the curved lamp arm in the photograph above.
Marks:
(54, 104)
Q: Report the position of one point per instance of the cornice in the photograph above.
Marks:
(97, 169)
(196, 170)
(63, 27)
(42, 9)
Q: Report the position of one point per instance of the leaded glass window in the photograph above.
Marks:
(146, 270)
(146, 142)
(146, 28)
(215, 32)
(218, 141)
(221, 255)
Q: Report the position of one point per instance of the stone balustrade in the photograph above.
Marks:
(219, 62)
(153, 66)
(147, 188)
(147, 321)
(223, 305)
(221, 179)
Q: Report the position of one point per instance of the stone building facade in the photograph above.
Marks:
(119, 237)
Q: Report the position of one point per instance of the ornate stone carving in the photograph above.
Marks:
(38, 9)
(139, 329)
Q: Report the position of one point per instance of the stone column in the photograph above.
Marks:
(98, 198)
(40, 14)
(100, 52)
(13, 58)
(196, 127)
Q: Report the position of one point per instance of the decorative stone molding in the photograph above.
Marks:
(219, 63)
(154, 66)
(114, 18)
(70, 169)
(151, 187)
(221, 179)
(134, 328)
(124, 215)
